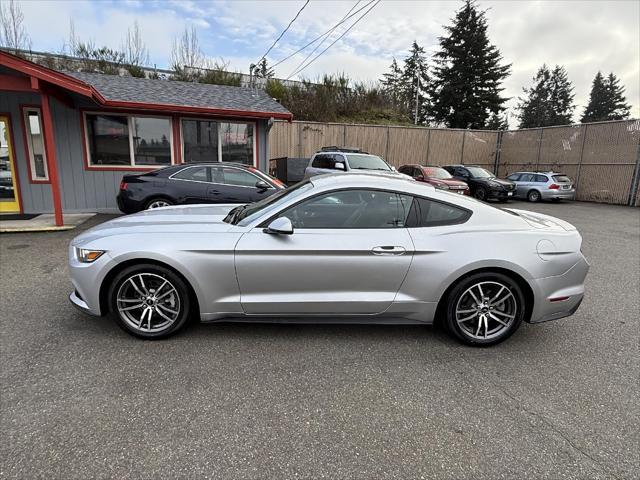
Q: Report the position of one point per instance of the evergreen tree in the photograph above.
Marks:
(392, 83)
(415, 82)
(497, 122)
(549, 101)
(467, 78)
(263, 70)
(606, 101)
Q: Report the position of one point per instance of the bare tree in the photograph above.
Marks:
(186, 51)
(134, 48)
(13, 35)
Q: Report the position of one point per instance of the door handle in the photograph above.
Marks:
(388, 250)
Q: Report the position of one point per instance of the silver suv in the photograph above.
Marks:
(340, 159)
(536, 186)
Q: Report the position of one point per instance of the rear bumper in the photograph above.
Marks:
(558, 194)
(561, 295)
(127, 205)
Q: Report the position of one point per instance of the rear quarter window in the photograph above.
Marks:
(430, 213)
(561, 179)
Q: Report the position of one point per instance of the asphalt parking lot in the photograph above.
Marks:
(80, 398)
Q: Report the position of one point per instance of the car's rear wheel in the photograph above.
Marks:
(481, 193)
(485, 309)
(157, 203)
(149, 301)
(533, 196)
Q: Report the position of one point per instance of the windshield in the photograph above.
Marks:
(359, 161)
(244, 214)
(477, 172)
(435, 172)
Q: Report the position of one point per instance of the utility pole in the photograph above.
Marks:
(415, 114)
(251, 67)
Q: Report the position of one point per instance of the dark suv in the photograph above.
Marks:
(484, 185)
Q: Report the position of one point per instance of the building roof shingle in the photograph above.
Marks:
(184, 94)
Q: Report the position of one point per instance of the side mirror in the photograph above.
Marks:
(280, 226)
(262, 185)
(340, 166)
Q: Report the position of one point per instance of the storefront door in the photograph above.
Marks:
(9, 199)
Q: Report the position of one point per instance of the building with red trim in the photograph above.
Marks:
(66, 139)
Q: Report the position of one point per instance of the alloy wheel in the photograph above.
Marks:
(148, 303)
(486, 310)
(534, 196)
(158, 204)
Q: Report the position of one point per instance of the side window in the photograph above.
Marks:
(351, 209)
(417, 173)
(406, 170)
(541, 178)
(322, 161)
(514, 177)
(234, 176)
(434, 214)
(527, 177)
(195, 174)
(461, 172)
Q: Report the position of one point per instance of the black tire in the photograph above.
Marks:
(150, 203)
(488, 279)
(481, 193)
(179, 299)
(534, 196)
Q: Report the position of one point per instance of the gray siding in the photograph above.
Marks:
(82, 190)
(36, 198)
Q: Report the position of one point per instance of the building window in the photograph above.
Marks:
(35, 145)
(200, 140)
(128, 141)
(237, 142)
(212, 141)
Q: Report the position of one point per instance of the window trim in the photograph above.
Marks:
(28, 144)
(214, 165)
(132, 166)
(219, 121)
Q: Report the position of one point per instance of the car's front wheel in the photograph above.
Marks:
(149, 301)
(481, 193)
(485, 308)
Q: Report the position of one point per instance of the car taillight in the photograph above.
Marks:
(123, 185)
(554, 186)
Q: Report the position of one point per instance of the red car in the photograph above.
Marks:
(436, 176)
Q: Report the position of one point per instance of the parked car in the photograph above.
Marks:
(536, 186)
(342, 159)
(335, 248)
(191, 183)
(484, 185)
(436, 176)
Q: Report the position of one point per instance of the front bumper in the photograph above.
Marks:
(568, 287)
(501, 194)
(80, 304)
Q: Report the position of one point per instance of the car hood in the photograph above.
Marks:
(181, 218)
(505, 183)
(450, 182)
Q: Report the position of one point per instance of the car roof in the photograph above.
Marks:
(213, 164)
(391, 180)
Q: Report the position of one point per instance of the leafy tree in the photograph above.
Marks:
(468, 74)
(549, 101)
(13, 35)
(263, 70)
(606, 101)
(414, 83)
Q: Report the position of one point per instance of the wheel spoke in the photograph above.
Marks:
(167, 309)
(149, 319)
(503, 299)
(467, 311)
(474, 296)
(165, 294)
(135, 286)
(144, 287)
(131, 308)
(159, 312)
(479, 325)
(144, 313)
(460, 320)
(498, 320)
(504, 314)
(160, 288)
(128, 300)
(497, 294)
(486, 326)
(481, 292)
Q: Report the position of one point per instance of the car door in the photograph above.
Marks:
(234, 185)
(348, 255)
(526, 182)
(189, 185)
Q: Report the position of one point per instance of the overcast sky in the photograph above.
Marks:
(584, 36)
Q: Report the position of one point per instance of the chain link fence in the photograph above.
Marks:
(602, 158)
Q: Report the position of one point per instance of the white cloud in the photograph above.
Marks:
(583, 36)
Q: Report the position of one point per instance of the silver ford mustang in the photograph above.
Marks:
(336, 248)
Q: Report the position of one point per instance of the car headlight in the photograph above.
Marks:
(494, 184)
(441, 186)
(88, 256)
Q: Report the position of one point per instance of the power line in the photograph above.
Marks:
(284, 31)
(326, 37)
(322, 35)
(336, 40)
